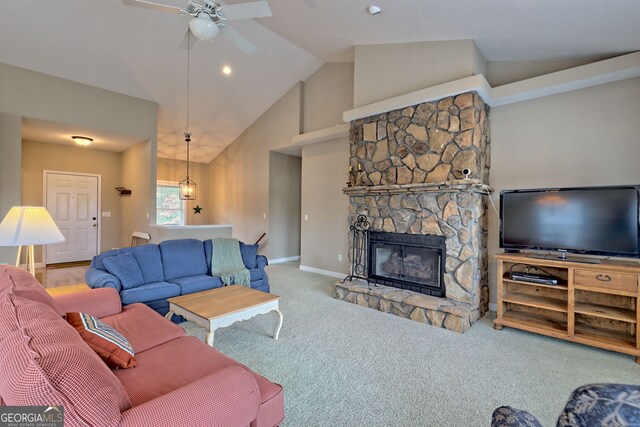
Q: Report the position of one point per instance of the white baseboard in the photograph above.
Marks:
(324, 272)
(493, 307)
(280, 260)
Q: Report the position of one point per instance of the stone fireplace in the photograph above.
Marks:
(411, 166)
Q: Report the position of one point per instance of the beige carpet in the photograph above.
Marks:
(346, 365)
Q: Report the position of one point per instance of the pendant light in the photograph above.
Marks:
(187, 186)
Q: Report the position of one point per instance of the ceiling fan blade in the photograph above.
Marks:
(188, 40)
(256, 9)
(239, 40)
(150, 5)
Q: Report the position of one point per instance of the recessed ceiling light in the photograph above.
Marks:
(374, 10)
(82, 140)
(226, 70)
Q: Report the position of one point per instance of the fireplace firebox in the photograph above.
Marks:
(413, 262)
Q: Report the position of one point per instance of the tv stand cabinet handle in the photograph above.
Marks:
(603, 277)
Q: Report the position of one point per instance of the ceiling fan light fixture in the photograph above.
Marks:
(204, 28)
(82, 140)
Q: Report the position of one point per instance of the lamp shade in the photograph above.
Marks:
(204, 28)
(29, 225)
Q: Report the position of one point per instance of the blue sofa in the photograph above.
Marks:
(152, 273)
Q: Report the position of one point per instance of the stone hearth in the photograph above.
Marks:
(410, 180)
(438, 312)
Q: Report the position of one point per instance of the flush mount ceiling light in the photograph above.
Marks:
(226, 70)
(374, 10)
(82, 140)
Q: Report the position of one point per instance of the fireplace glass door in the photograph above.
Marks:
(406, 265)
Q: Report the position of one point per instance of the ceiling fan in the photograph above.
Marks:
(209, 19)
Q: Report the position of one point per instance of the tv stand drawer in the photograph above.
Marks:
(606, 280)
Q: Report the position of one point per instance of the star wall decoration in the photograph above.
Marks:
(197, 209)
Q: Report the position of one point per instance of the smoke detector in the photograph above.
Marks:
(374, 10)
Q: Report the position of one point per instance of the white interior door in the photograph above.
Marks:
(72, 201)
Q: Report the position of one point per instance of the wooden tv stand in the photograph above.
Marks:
(593, 304)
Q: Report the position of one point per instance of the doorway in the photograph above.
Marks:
(73, 201)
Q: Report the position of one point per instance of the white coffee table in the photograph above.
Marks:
(217, 308)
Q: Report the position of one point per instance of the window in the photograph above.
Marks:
(170, 210)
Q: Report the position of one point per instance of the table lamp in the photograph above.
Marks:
(28, 226)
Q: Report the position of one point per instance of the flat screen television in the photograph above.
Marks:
(591, 220)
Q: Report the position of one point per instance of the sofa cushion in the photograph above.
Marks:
(198, 283)
(29, 288)
(182, 258)
(208, 248)
(105, 340)
(126, 269)
(34, 364)
(249, 255)
(150, 262)
(143, 383)
(150, 292)
(143, 327)
(602, 405)
(98, 260)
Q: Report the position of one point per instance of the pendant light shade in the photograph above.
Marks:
(187, 190)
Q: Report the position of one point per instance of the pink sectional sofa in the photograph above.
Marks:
(178, 380)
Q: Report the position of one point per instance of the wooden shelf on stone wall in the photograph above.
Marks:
(457, 185)
(597, 305)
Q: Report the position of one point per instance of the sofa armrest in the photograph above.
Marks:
(228, 397)
(262, 261)
(101, 279)
(96, 302)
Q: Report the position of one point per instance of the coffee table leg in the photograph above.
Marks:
(168, 315)
(277, 332)
(209, 338)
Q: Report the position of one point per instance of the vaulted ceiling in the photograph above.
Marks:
(107, 44)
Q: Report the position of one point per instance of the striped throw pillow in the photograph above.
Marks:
(105, 340)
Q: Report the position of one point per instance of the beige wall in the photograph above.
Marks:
(10, 177)
(284, 206)
(39, 156)
(327, 94)
(325, 232)
(36, 95)
(139, 208)
(175, 171)
(384, 71)
(581, 138)
(239, 176)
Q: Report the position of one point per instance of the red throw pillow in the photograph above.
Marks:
(110, 345)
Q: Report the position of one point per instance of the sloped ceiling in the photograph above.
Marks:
(133, 51)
